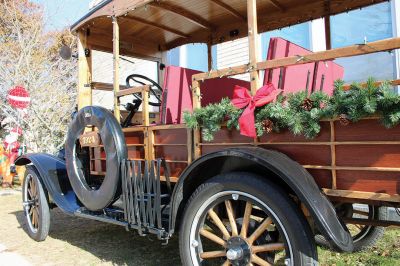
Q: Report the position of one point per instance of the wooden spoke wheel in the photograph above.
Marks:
(35, 206)
(248, 222)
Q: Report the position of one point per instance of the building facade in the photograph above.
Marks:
(369, 24)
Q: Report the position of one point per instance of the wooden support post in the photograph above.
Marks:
(85, 72)
(145, 107)
(333, 154)
(253, 44)
(116, 67)
(209, 54)
(196, 96)
(327, 20)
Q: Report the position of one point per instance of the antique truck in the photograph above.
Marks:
(235, 199)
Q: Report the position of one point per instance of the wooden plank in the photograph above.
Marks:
(361, 195)
(133, 90)
(156, 25)
(327, 21)
(116, 68)
(230, 9)
(395, 82)
(351, 168)
(174, 126)
(276, 4)
(253, 44)
(189, 143)
(196, 94)
(333, 154)
(85, 72)
(196, 143)
(145, 108)
(105, 86)
(188, 15)
(353, 50)
(209, 56)
(385, 223)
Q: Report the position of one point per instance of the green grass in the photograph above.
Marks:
(76, 241)
(386, 252)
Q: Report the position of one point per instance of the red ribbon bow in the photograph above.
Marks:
(242, 99)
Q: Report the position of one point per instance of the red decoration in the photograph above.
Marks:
(242, 99)
(18, 97)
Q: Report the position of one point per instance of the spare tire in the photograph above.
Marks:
(113, 140)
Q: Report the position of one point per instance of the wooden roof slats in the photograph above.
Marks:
(156, 25)
(229, 9)
(171, 23)
(190, 16)
(276, 4)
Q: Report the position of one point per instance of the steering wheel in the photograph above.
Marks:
(156, 92)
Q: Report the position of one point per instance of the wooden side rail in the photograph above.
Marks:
(353, 50)
(132, 90)
(144, 91)
(105, 86)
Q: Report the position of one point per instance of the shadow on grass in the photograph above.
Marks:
(110, 243)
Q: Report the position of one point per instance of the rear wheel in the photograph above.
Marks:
(240, 219)
(364, 236)
(36, 207)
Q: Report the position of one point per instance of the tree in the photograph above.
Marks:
(29, 58)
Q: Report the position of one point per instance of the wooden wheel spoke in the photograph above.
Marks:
(359, 226)
(363, 213)
(268, 247)
(213, 237)
(30, 194)
(231, 216)
(217, 221)
(246, 219)
(259, 261)
(212, 254)
(260, 229)
(33, 218)
(33, 188)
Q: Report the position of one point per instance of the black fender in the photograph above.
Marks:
(52, 173)
(280, 169)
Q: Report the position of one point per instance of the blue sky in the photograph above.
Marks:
(63, 13)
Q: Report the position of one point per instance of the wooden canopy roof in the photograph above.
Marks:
(150, 26)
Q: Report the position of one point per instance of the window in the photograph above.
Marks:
(193, 56)
(298, 34)
(371, 23)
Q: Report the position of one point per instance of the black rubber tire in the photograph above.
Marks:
(115, 147)
(294, 223)
(370, 236)
(44, 212)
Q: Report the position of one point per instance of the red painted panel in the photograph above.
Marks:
(171, 136)
(368, 155)
(366, 130)
(322, 177)
(178, 153)
(177, 96)
(310, 77)
(380, 182)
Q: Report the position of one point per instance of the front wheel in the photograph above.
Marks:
(36, 207)
(241, 219)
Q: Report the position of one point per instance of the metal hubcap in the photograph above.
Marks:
(238, 251)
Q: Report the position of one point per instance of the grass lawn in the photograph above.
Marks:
(75, 241)
(386, 252)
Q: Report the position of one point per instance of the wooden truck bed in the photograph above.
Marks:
(360, 161)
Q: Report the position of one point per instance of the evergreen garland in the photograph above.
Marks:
(301, 113)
